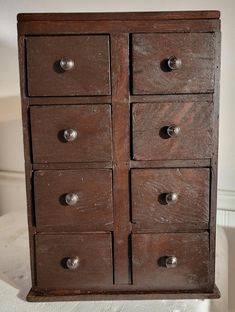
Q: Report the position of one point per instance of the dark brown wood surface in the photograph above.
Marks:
(191, 250)
(121, 156)
(139, 26)
(90, 75)
(95, 266)
(212, 14)
(94, 210)
(92, 123)
(151, 74)
(149, 208)
(124, 253)
(150, 120)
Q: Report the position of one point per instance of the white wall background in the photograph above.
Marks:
(12, 192)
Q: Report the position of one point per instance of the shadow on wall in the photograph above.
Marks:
(12, 188)
(11, 155)
(9, 78)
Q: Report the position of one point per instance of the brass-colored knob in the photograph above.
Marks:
(171, 262)
(66, 64)
(71, 199)
(174, 63)
(70, 135)
(173, 131)
(171, 198)
(72, 263)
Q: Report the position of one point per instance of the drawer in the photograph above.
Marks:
(170, 199)
(76, 133)
(73, 200)
(68, 65)
(173, 63)
(172, 130)
(175, 261)
(79, 261)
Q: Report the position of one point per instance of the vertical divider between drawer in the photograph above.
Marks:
(121, 155)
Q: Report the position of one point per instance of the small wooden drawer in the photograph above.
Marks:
(172, 130)
(175, 261)
(74, 261)
(173, 63)
(73, 200)
(170, 199)
(74, 133)
(68, 65)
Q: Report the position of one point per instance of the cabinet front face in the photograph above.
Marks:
(173, 63)
(120, 119)
(68, 65)
(172, 130)
(76, 133)
(77, 261)
(173, 261)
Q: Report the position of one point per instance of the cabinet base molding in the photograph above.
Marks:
(35, 296)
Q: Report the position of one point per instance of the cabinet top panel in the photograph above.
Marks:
(173, 15)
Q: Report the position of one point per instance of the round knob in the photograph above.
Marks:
(71, 199)
(72, 263)
(70, 135)
(173, 131)
(66, 64)
(174, 63)
(171, 198)
(171, 262)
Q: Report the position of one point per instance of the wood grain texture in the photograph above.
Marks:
(95, 268)
(150, 120)
(173, 163)
(90, 75)
(191, 250)
(56, 100)
(212, 14)
(37, 296)
(100, 27)
(94, 210)
(105, 141)
(92, 122)
(151, 74)
(121, 155)
(149, 209)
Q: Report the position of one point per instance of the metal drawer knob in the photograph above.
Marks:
(171, 198)
(173, 131)
(171, 262)
(70, 135)
(71, 199)
(72, 263)
(174, 63)
(66, 64)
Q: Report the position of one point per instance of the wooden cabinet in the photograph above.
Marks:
(120, 120)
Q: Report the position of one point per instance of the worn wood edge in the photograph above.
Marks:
(34, 296)
(194, 97)
(174, 163)
(210, 14)
(66, 100)
(78, 27)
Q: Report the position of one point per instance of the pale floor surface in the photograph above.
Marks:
(15, 280)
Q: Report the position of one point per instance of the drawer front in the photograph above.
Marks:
(173, 63)
(170, 199)
(53, 130)
(68, 65)
(172, 130)
(74, 261)
(176, 261)
(78, 200)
